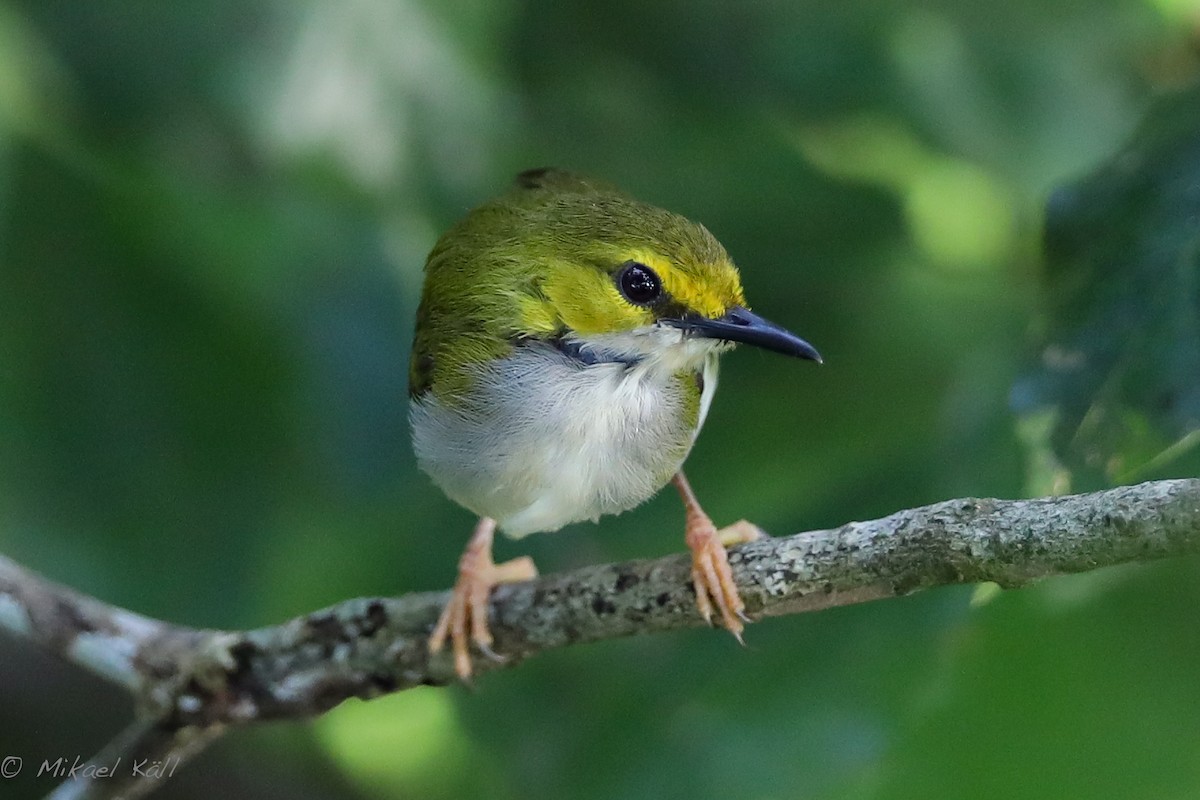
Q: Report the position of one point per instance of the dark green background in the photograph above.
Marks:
(213, 217)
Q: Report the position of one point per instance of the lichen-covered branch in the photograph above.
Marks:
(113, 643)
(191, 683)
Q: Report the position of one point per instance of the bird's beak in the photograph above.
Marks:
(743, 325)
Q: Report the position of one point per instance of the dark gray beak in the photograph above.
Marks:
(743, 325)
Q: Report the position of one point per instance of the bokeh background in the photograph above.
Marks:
(213, 218)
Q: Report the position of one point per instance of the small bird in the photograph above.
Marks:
(564, 359)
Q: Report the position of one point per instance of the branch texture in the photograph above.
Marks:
(192, 681)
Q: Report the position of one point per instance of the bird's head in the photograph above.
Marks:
(571, 260)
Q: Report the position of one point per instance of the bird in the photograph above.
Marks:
(564, 359)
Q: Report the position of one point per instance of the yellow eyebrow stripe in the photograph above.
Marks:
(710, 294)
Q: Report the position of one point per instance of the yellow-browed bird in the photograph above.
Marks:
(564, 359)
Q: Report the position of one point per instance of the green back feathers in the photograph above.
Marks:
(539, 262)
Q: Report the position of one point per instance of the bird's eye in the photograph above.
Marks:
(639, 284)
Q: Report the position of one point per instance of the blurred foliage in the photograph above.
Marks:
(213, 218)
(1118, 386)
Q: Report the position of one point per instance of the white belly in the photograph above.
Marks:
(544, 441)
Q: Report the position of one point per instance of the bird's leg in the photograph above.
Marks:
(468, 606)
(711, 575)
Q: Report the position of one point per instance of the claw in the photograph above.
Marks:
(468, 605)
(713, 578)
(711, 574)
(489, 653)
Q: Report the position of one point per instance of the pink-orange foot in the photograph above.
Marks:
(711, 575)
(465, 618)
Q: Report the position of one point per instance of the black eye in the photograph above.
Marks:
(639, 284)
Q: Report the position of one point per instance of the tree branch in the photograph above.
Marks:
(134, 763)
(191, 683)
